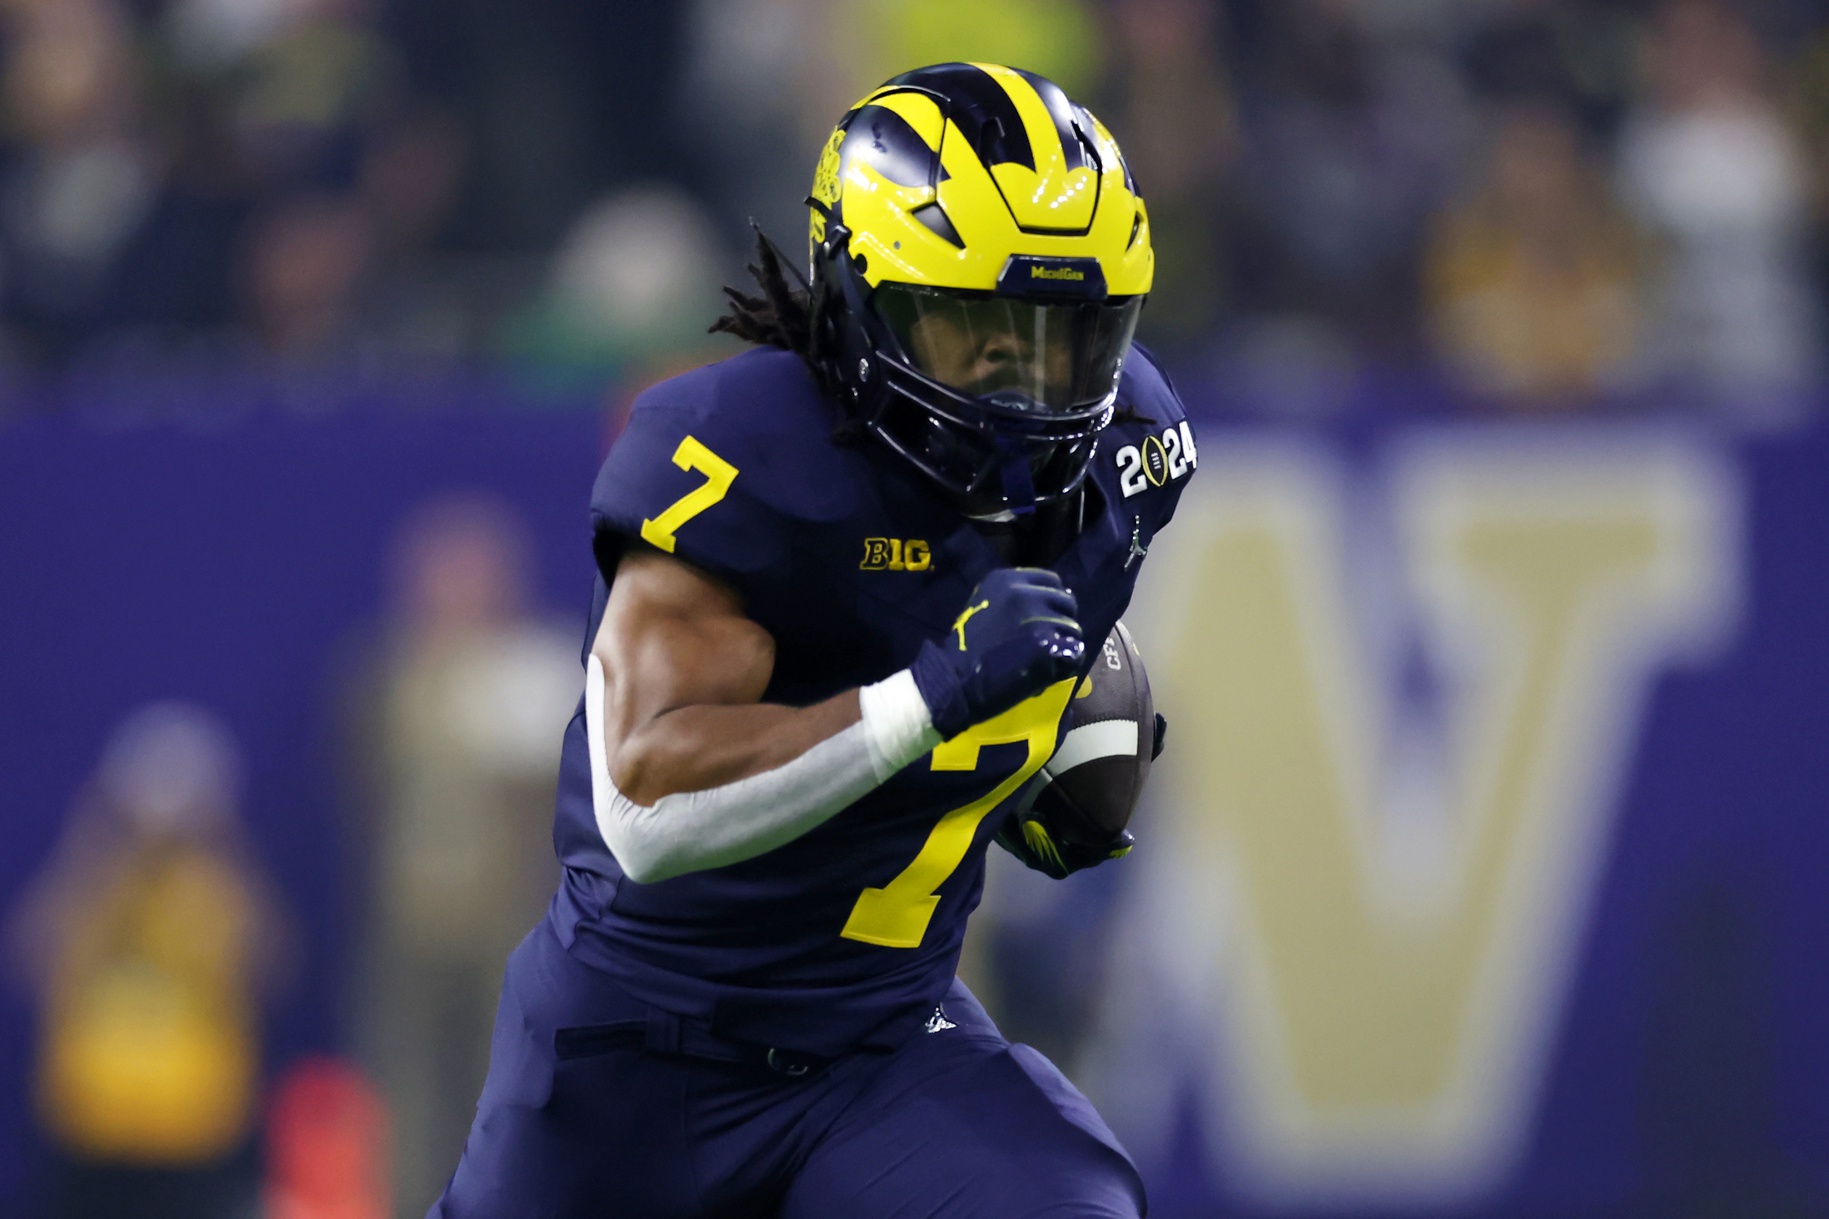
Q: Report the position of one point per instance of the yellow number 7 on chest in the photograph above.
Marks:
(896, 915)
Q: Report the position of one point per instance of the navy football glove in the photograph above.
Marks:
(1049, 839)
(1017, 636)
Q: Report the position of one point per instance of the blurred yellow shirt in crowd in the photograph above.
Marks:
(1518, 323)
(1534, 284)
(149, 1050)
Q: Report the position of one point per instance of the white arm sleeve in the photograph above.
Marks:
(694, 831)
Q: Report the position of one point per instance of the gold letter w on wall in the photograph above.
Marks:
(1376, 912)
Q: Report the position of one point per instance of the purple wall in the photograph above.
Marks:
(233, 566)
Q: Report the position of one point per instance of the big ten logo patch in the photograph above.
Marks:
(1407, 704)
(896, 554)
(1157, 460)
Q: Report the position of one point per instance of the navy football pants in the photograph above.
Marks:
(954, 1123)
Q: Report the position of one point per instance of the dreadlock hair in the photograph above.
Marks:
(782, 316)
(787, 315)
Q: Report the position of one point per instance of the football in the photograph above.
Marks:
(1091, 785)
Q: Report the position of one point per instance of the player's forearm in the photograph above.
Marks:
(880, 729)
(694, 748)
(691, 771)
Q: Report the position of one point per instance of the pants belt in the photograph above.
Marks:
(667, 1033)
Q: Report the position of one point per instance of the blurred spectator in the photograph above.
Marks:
(764, 84)
(1579, 56)
(209, 34)
(1709, 164)
(395, 182)
(1533, 283)
(1809, 103)
(326, 1145)
(633, 286)
(562, 101)
(410, 175)
(884, 38)
(306, 264)
(1174, 119)
(79, 180)
(149, 940)
(301, 100)
(766, 80)
(470, 702)
(418, 305)
(1353, 131)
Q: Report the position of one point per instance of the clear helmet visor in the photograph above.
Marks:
(1055, 358)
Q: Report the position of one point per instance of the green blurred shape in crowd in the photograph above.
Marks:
(1057, 38)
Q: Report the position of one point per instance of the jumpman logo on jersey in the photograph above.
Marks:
(966, 617)
(1137, 549)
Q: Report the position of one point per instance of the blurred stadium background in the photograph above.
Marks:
(1484, 873)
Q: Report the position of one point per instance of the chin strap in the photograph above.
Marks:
(1018, 483)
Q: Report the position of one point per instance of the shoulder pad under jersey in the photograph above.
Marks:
(1146, 390)
(716, 466)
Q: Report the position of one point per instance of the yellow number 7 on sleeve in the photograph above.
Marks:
(719, 474)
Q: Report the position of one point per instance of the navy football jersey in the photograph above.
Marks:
(849, 560)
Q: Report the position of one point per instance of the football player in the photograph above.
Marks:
(846, 583)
